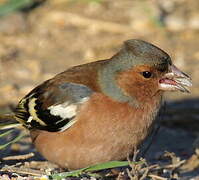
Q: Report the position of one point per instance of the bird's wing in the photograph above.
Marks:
(52, 106)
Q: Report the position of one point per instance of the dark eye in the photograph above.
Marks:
(147, 74)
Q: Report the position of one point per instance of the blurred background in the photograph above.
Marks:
(40, 38)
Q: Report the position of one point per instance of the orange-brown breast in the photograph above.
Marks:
(105, 130)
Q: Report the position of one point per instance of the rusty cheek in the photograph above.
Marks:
(134, 85)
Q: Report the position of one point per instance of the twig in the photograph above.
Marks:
(135, 154)
(23, 171)
(145, 174)
(129, 174)
(19, 157)
(9, 126)
(174, 166)
(157, 177)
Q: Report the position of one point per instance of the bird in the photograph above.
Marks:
(100, 111)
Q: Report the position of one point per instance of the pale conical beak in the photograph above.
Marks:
(175, 80)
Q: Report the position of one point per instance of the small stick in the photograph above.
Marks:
(157, 177)
(23, 171)
(135, 154)
(145, 174)
(19, 157)
(171, 166)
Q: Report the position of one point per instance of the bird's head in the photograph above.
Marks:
(141, 71)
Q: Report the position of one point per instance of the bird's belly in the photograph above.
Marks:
(101, 133)
(73, 153)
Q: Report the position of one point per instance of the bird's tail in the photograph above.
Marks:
(8, 121)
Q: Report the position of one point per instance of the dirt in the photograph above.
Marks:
(39, 43)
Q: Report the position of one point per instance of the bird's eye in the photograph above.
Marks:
(147, 74)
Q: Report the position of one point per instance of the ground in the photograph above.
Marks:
(40, 42)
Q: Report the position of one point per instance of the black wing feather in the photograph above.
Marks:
(33, 110)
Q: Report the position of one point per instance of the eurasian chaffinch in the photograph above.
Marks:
(100, 111)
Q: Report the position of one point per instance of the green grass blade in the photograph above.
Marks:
(66, 174)
(106, 165)
(97, 167)
(5, 133)
(13, 5)
(10, 142)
